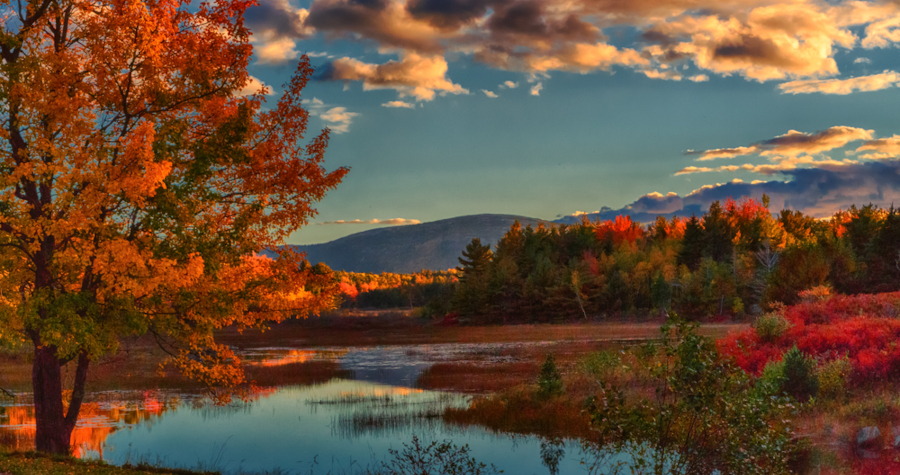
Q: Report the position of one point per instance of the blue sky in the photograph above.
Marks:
(544, 108)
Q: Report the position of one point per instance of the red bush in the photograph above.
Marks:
(864, 327)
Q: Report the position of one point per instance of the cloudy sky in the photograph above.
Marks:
(547, 108)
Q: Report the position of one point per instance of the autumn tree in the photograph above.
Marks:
(138, 189)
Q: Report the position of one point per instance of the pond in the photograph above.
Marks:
(337, 427)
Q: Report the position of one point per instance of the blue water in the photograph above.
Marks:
(339, 427)
(317, 429)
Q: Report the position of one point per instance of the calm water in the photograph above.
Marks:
(336, 426)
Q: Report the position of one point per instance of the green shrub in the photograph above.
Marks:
(436, 458)
(795, 375)
(601, 364)
(800, 380)
(550, 380)
(771, 326)
(773, 375)
(833, 377)
(706, 416)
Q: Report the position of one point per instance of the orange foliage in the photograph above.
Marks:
(676, 227)
(368, 286)
(348, 289)
(745, 210)
(139, 187)
(620, 230)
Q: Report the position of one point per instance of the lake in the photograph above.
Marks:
(335, 427)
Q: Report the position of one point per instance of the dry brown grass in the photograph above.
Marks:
(385, 329)
(467, 378)
(521, 411)
(310, 372)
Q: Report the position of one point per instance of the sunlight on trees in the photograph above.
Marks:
(138, 190)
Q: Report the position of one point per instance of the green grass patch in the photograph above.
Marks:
(34, 463)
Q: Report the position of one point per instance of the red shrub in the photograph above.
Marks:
(864, 327)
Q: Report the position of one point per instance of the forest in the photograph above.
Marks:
(738, 258)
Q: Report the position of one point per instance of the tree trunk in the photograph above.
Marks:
(51, 436)
(54, 427)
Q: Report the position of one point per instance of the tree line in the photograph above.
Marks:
(737, 258)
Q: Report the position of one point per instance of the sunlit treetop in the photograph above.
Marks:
(137, 187)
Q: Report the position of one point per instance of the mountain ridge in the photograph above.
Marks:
(434, 245)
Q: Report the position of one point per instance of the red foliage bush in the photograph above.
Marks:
(866, 328)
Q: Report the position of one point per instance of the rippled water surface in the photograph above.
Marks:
(336, 426)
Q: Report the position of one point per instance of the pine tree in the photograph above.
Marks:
(692, 244)
(718, 234)
(475, 259)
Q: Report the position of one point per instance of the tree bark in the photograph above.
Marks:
(51, 435)
(77, 393)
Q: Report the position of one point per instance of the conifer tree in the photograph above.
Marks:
(692, 244)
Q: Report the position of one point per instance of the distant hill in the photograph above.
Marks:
(403, 249)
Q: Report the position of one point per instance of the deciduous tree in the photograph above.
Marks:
(138, 188)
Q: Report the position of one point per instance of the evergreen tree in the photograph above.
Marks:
(884, 255)
(718, 234)
(661, 292)
(692, 244)
(475, 259)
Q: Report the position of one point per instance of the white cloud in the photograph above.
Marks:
(862, 60)
(421, 77)
(252, 87)
(269, 48)
(399, 104)
(536, 89)
(338, 119)
(874, 82)
(583, 213)
(699, 78)
(509, 85)
(490, 94)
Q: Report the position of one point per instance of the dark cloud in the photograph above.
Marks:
(376, 20)
(277, 16)
(521, 18)
(528, 20)
(753, 49)
(342, 16)
(449, 14)
(658, 37)
(816, 191)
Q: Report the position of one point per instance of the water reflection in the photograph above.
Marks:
(312, 428)
(397, 365)
(99, 418)
(300, 429)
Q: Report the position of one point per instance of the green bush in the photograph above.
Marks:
(436, 458)
(550, 380)
(795, 375)
(601, 364)
(800, 380)
(833, 377)
(773, 376)
(706, 417)
(771, 326)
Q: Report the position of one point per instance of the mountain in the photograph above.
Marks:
(404, 249)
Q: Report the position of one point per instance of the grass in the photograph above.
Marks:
(34, 463)
(380, 329)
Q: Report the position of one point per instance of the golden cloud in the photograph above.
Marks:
(417, 76)
(872, 82)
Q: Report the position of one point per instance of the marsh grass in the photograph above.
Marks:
(310, 372)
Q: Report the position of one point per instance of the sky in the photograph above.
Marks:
(553, 108)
